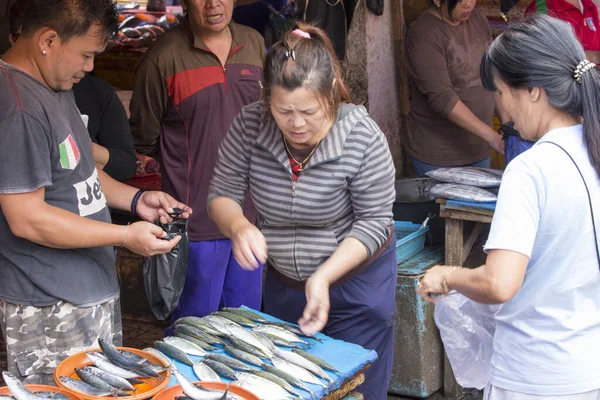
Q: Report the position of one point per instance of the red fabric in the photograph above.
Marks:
(186, 83)
(586, 26)
(296, 169)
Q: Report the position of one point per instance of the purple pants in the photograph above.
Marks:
(215, 280)
(362, 312)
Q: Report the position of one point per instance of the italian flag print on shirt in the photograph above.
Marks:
(69, 153)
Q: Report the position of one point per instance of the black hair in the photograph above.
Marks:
(15, 18)
(70, 18)
(296, 62)
(451, 6)
(543, 52)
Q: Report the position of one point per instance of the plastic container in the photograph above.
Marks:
(149, 388)
(4, 391)
(410, 240)
(175, 391)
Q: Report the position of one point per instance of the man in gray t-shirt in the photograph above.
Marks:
(59, 290)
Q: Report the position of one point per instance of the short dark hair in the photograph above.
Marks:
(15, 18)
(544, 52)
(70, 18)
(451, 6)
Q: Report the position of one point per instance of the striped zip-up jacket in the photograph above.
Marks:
(345, 190)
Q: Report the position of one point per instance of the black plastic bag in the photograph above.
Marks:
(164, 274)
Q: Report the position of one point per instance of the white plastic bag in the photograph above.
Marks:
(467, 331)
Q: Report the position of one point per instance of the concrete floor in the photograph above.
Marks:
(141, 334)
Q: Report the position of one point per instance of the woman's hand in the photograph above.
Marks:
(433, 282)
(497, 143)
(154, 204)
(316, 313)
(249, 245)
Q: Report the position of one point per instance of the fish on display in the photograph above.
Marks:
(193, 392)
(199, 333)
(238, 319)
(318, 361)
(220, 369)
(472, 176)
(280, 333)
(212, 319)
(106, 366)
(84, 388)
(185, 346)
(294, 329)
(296, 371)
(112, 380)
(292, 380)
(243, 356)
(198, 342)
(248, 348)
(199, 323)
(51, 395)
(304, 363)
(173, 352)
(148, 367)
(230, 362)
(204, 372)
(115, 356)
(277, 380)
(18, 389)
(220, 324)
(246, 313)
(276, 340)
(160, 355)
(248, 337)
(98, 383)
(455, 191)
(261, 387)
(268, 342)
(2, 397)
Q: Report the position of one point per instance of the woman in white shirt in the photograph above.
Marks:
(543, 260)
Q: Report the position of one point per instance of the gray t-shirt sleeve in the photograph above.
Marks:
(25, 164)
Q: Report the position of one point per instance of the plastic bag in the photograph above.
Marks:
(164, 274)
(514, 144)
(467, 331)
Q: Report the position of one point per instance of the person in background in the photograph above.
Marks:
(107, 124)
(188, 89)
(583, 17)
(449, 123)
(321, 175)
(59, 291)
(543, 259)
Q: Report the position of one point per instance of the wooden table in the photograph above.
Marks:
(462, 229)
(346, 390)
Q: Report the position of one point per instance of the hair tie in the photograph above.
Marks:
(582, 68)
(301, 33)
(290, 53)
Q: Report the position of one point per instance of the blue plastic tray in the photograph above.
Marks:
(410, 240)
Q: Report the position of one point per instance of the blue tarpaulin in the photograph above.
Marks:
(348, 358)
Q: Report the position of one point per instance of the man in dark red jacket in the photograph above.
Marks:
(187, 90)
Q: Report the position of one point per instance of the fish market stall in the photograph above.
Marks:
(333, 370)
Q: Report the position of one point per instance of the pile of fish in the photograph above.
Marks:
(20, 392)
(264, 357)
(466, 183)
(114, 373)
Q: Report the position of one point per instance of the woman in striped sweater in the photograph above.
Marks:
(321, 176)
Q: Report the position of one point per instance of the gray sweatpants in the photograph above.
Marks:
(39, 338)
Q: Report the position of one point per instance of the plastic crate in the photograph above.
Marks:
(410, 240)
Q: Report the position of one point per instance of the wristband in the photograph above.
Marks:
(125, 235)
(135, 200)
(445, 279)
